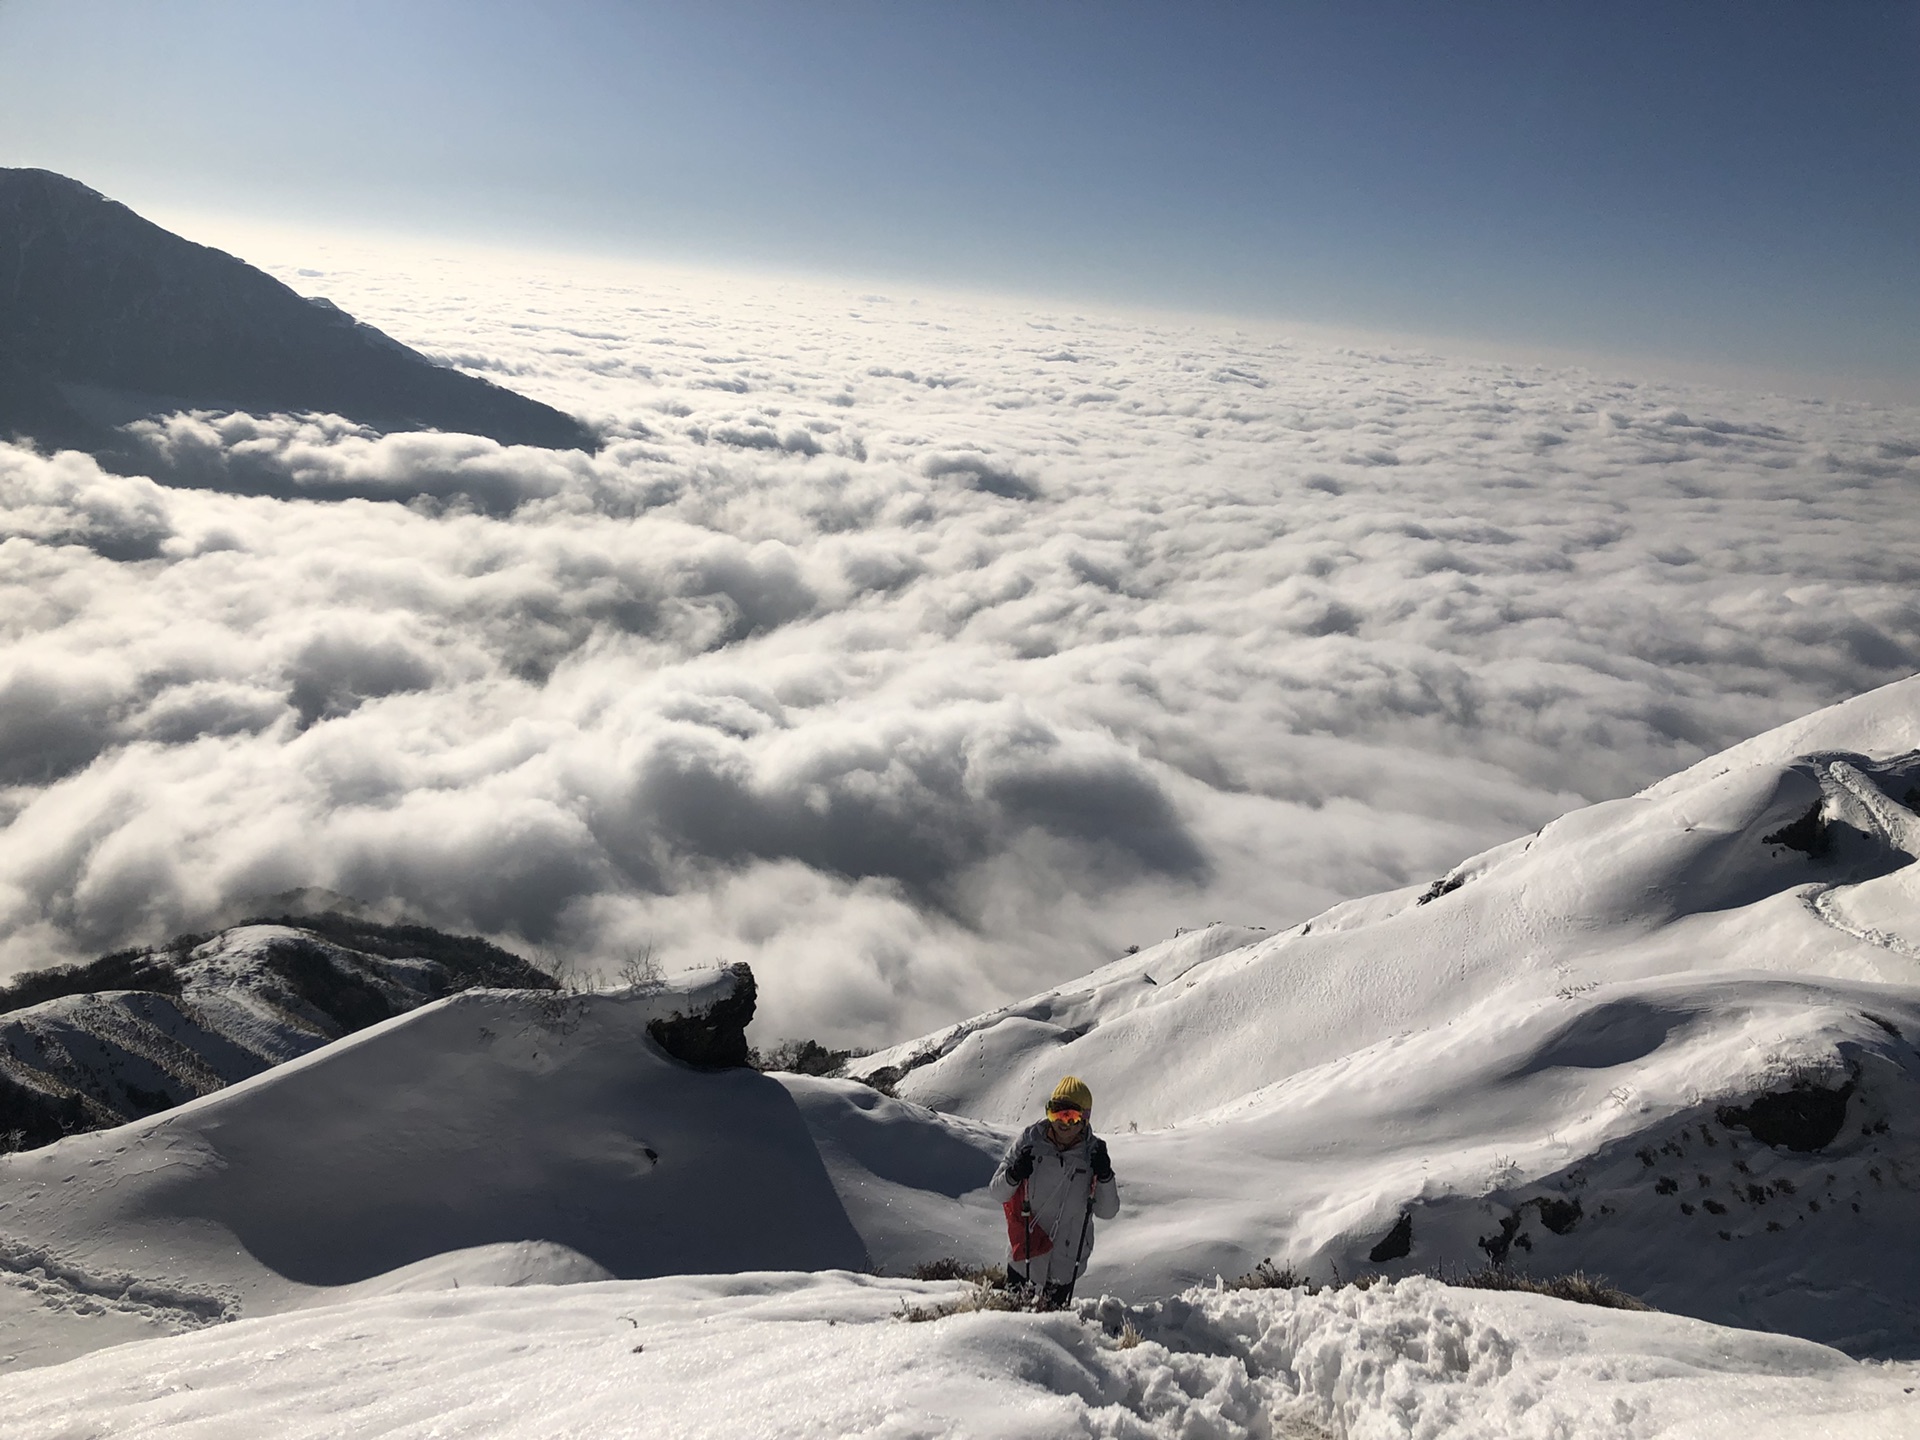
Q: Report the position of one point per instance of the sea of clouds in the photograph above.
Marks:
(921, 651)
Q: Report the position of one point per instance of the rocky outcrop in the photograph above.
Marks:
(712, 1036)
(106, 318)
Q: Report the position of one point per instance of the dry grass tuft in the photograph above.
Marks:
(981, 1297)
(948, 1268)
(1579, 1287)
(1267, 1276)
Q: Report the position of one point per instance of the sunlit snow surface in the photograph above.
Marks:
(922, 651)
(829, 1355)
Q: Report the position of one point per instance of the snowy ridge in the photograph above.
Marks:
(1661, 883)
(196, 1019)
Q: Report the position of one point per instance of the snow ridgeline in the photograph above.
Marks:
(88, 1047)
(830, 1355)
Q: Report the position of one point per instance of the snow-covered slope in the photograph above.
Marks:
(1557, 1055)
(1679, 879)
(489, 1119)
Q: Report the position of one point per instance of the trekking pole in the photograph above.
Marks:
(1026, 1215)
(1086, 1232)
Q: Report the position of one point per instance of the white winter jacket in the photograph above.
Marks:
(1061, 1184)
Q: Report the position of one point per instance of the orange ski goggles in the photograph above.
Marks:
(1067, 1115)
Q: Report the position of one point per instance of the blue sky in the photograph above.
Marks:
(1719, 182)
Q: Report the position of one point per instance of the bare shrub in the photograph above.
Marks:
(640, 966)
(568, 975)
(802, 1057)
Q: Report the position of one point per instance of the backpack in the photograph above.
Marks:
(1025, 1239)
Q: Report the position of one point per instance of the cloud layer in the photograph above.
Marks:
(922, 653)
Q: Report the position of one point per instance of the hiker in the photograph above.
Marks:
(1053, 1180)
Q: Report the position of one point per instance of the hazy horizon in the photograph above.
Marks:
(1674, 188)
(249, 236)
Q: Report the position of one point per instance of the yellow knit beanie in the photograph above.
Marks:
(1071, 1093)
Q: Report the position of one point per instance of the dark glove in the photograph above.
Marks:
(1102, 1162)
(1021, 1166)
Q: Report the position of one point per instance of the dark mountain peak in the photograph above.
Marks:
(106, 318)
(48, 191)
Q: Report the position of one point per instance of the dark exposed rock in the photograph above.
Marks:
(1559, 1216)
(106, 318)
(714, 1038)
(1808, 835)
(886, 1078)
(1396, 1244)
(1805, 1118)
(1445, 885)
(1885, 1024)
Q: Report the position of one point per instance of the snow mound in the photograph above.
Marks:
(493, 1137)
(488, 1118)
(775, 1355)
(526, 1262)
(1813, 850)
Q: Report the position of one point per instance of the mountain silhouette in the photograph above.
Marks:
(106, 318)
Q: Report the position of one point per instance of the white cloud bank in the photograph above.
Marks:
(921, 653)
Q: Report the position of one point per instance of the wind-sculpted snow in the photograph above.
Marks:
(486, 1118)
(815, 1355)
(920, 652)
